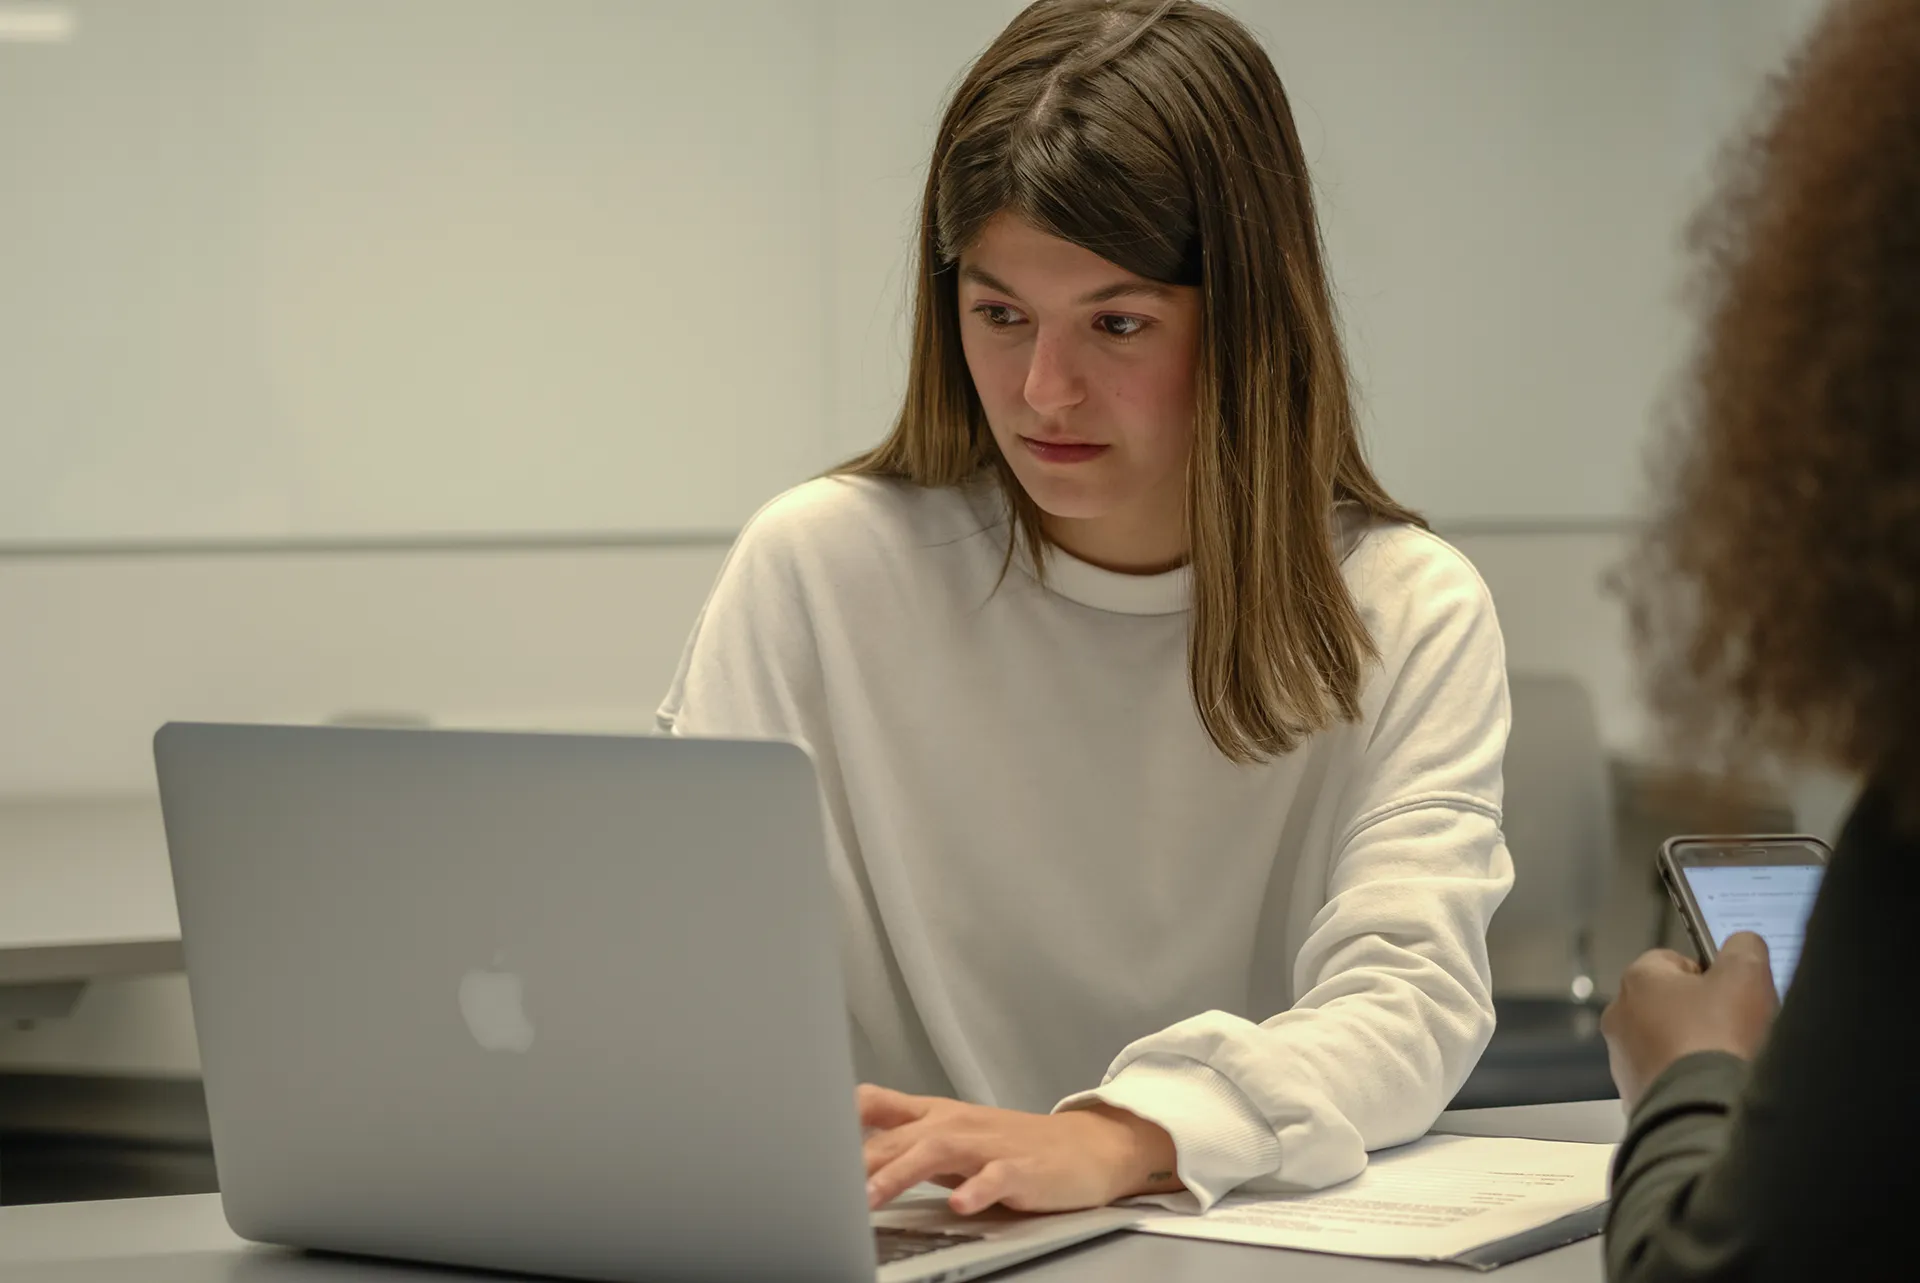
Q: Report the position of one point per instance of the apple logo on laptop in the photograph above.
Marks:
(494, 1003)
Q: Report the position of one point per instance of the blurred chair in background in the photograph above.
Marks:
(1560, 829)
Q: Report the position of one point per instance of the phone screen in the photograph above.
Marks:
(1770, 900)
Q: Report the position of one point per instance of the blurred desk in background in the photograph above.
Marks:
(87, 895)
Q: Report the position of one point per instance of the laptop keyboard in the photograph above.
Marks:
(903, 1245)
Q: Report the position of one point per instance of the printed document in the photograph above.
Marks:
(1431, 1200)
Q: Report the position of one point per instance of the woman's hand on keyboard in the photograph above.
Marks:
(1026, 1162)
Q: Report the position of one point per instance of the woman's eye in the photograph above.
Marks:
(1121, 327)
(997, 315)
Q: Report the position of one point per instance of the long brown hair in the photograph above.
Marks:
(1158, 136)
(1776, 597)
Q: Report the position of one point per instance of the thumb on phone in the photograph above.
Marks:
(1749, 948)
(1745, 968)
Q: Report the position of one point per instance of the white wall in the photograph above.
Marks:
(352, 267)
(101, 650)
(442, 265)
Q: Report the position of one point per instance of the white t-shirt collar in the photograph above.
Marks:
(1167, 593)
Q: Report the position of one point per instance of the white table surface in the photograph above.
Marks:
(186, 1240)
(87, 891)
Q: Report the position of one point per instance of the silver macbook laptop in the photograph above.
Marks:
(562, 1005)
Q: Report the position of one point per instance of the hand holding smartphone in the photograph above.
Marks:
(1762, 883)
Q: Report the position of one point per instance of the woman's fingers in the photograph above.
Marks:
(992, 1184)
(884, 1107)
(926, 1159)
(884, 1147)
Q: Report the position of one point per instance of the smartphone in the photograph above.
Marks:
(1763, 883)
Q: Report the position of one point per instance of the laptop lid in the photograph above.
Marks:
(548, 1003)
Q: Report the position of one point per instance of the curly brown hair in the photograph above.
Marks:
(1775, 597)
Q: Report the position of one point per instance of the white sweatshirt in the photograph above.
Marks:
(1054, 889)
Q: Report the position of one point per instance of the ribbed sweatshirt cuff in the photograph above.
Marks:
(1221, 1139)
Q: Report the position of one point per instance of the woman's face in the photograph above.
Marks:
(1086, 372)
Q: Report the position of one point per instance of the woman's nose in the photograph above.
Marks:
(1053, 380)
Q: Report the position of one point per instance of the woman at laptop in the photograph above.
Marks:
(1779, 596)
(1161, 748)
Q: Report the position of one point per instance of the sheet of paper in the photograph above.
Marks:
(1433, 1199)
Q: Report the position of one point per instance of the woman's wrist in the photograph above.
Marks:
(1147, 1161)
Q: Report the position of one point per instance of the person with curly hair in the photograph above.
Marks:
(1776, 609)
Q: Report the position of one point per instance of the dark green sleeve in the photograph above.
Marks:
(1678, 1132)
(1807, 1167)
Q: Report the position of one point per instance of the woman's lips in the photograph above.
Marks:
(1063, 451)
